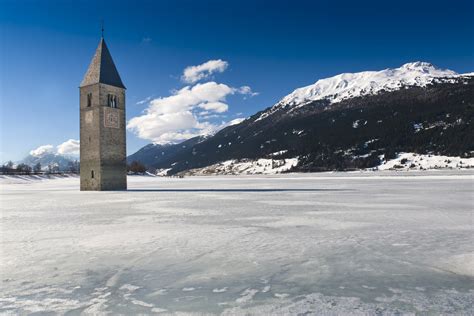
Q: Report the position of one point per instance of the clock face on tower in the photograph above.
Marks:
(89, 117)
(111, 118)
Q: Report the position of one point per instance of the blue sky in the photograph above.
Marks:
(272, 47)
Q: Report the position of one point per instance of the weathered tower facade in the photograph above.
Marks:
(102, 112)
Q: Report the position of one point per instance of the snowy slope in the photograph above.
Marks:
(413, 161)
(246, 166)
(350, 85)
(403, 162)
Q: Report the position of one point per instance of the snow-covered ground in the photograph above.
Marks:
(412, 161)
(403, 162)
(332, 243)
(246, 166)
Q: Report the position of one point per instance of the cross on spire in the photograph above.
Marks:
(102, 27)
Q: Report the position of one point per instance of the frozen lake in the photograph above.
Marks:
(347, 243)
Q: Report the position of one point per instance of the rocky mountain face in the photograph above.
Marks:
(349, 121)
(154, 154)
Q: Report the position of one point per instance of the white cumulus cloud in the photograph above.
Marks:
(69, 147)
(173, 119)
(218, 107)
(41, 150)
(246, 90)
(188, 112)
(193, 74)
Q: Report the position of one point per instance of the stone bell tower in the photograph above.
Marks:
(102, 112)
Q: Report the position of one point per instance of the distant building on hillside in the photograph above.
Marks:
(102, 123)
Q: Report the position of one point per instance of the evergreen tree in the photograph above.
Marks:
(37, 168)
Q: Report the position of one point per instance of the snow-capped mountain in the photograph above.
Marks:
(345, 122)
(52, 160)
(349, 85)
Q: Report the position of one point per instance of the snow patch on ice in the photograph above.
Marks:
(246, 296)
(460, 264)
(57, 305)
(188, 289)
(159, 292)
(142, 303)
(281, 295)
(98, 304)
(129, 287)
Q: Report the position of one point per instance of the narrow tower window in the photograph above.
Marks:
(89, 99)
(92, 174)
(112, 101)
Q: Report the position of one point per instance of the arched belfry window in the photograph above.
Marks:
(112, 101)
(92, 174)
(89, 99)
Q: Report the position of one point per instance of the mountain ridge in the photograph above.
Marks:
(52, 160)
(433, 116)
(349, 85)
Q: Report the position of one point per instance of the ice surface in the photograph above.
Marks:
(331, 243)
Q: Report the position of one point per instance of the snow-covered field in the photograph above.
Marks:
(246, 166)
(332, 243)
(403, 162)
(412, 161)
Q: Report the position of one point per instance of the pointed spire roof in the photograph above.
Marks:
(102, 68)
